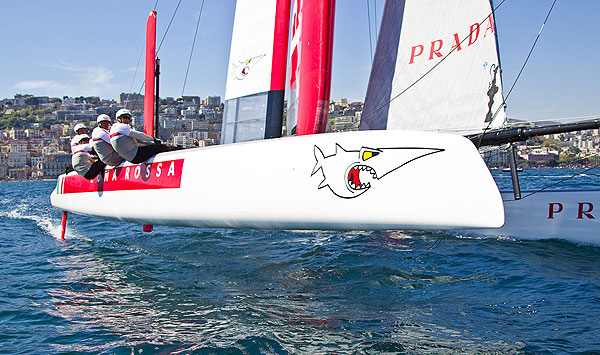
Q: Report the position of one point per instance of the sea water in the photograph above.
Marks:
(112, 289)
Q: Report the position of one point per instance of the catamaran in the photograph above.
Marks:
(435, 84)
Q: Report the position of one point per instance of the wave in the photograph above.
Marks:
(46, 223)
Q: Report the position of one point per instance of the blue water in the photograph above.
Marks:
(111, 289)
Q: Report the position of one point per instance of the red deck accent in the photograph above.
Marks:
(145, 176)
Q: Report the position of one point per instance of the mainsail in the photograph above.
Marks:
(436, 68)
(254, 94)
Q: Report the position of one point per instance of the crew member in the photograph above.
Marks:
(101, 142)
(125, 140)
(82, 160)
(79, 128)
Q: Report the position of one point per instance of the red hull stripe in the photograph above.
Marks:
(157, 175)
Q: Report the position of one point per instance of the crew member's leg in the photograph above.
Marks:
(95, 169)
(146, 151)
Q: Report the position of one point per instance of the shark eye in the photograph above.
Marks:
(368, 154)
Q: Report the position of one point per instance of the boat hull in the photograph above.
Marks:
(566, 214)
(371, 180)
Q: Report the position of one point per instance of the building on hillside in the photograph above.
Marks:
(19, 146)
(190, 113)
(17, 159)
(33, 133)
(212, 101)
(191, 101)
(540, 155)
(35, 160)
(54, 165)
(132, 101)
(184, 141)
(19, 173)
(15, 133)
(200, 126)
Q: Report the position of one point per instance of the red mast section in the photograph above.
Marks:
(150, 74)
(310, 78)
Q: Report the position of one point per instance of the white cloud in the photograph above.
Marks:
(75, 80)
(40, 85)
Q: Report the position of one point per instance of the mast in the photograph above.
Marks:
(150, 74)
(310, 77)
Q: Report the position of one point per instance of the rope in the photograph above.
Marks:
(517, 78)
(530, 51)
(192, 51)
(137, 67)
(134, 75)
(370, 36)
(437, 242)
(142, 52)
(375, 15)
(565, 179)
(169, 26)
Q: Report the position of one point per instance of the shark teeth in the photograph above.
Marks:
(354, 181)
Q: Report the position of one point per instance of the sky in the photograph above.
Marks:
(91, 48)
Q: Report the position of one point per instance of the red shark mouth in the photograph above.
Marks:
(354, 181)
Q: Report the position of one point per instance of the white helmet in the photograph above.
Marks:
(78, 127)
(82, 136)
(75, 140)
(102, 117)
(122, 112)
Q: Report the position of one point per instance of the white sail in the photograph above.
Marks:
(256, 74)
(436, 68)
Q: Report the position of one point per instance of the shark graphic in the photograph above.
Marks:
(242, 68)
(350, 173)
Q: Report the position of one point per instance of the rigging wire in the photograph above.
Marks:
(565, 179)
(169, 26)
(137, 67)
(530, 51)
(192, 50)
(375, 16)
(156, 54)
(134, 75)
(518, 76)
(561, 181)
(437, 242)
(370, 36)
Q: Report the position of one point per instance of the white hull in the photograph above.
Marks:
(355, 180)
(570, 214)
